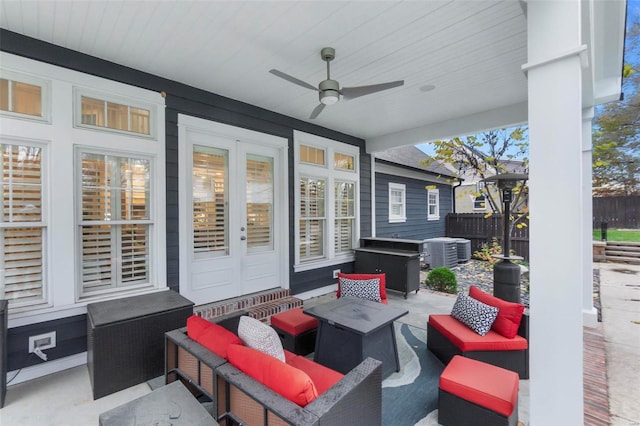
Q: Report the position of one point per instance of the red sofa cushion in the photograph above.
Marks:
(323, 377)
(382, 277)
(294, 321)
(489, 386)
(286, 380)
(468, 340)
(509, 314)
(212, 336)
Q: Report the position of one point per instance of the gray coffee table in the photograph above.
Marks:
(172, 404)
(353, 329)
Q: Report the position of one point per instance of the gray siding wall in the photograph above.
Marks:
(417, 226)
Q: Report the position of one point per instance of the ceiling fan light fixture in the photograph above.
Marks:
(329, 97)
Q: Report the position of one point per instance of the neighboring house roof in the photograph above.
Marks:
(410, 157)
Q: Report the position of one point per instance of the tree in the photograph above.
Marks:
(616, 137)
(484, 155)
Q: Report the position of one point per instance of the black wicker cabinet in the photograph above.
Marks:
(4, 307)
(402, 268)
(125, 338)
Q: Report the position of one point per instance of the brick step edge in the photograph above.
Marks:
(264, 312)
(242, 303)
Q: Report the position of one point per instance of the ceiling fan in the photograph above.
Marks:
(329, 90)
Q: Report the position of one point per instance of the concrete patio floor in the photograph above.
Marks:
(65, 398)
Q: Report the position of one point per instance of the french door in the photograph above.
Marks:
(232, 211)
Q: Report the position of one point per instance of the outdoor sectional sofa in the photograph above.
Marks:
(447, 337)
(239, 399)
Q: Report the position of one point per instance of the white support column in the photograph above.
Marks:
(555, 181)
(589, 313)
(373, 195)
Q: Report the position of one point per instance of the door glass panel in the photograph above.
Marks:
(259, 203)
(210, 202)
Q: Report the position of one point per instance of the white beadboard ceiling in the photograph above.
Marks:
(471, 51)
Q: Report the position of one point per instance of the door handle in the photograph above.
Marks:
(243, 238)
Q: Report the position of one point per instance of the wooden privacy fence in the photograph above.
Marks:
(618, 212)
(477, 229)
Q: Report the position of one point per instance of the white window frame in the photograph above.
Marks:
(80, 92)
(437, 194)
(402, 217)
(475, 200)
(45, 95)
(331, 175)
(61, 137)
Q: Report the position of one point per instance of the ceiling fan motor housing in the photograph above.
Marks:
(329, 92)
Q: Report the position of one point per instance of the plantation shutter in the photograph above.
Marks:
(210, 201)
(344, 216)
(21, 225)
(312, 217)
(259, 203)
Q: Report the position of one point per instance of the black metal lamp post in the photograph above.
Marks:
(506, 275)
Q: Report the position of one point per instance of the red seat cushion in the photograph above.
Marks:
(382, 277)
(288, 381)
(210, 335)
(509, 314)
(323, 377)
(486, 385)
(468, 340)
(294, 321)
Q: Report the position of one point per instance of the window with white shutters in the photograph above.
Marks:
(326, 201)
(115, 221)
(22, 225)
(210, 201)
(259, 203)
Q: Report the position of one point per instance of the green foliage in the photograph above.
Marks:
(488, 250)
(442, 279)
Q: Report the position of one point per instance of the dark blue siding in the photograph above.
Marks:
(417, 226)
(198, 103)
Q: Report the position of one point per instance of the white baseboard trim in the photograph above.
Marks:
(317, 292)
(46, 368)
(590, 318)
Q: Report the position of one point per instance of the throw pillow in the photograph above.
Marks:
(509, 314)
(362, 289)
(474, 314)
(260, 336)
(211, 335)
(290, 382)
(381, 277)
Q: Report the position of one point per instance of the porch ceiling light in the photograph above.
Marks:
(329, 97)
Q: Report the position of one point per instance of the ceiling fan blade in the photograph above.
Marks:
(316, 111)
(355, 92)
(293, 80)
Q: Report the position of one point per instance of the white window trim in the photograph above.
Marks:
(45, 98)
(330, 174)
(473, 201)
(433, 216)
(79, 92)
(393, 218)
(61, 137)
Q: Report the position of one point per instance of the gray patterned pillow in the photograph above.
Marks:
(362, 289)
(474, 314)
(260, 336)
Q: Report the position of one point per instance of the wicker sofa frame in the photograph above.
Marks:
(238, 399)
(517, 360)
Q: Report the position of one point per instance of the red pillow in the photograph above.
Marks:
(210, 335)
(288, 381)
(196, 326)
(382, 277)
(509, 314)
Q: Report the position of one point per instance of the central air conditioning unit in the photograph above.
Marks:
(442, 252)
(464, 249)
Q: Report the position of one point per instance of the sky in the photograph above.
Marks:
(633, 14)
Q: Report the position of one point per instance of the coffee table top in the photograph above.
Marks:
(358, 315)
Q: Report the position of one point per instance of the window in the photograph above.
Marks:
(24, 96)
(397, 203)
(326, 201)
(433, 204)
(22, 224)
(114, 220)
(480, 202)
(101, 112)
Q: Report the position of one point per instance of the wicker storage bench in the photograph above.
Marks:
(239, 399)
(447, 337)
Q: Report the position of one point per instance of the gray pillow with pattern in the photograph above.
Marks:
(474, 314)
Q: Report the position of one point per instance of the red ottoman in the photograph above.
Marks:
(476, 393)
(296, 330)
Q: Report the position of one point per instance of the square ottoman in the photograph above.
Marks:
(297, 330)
